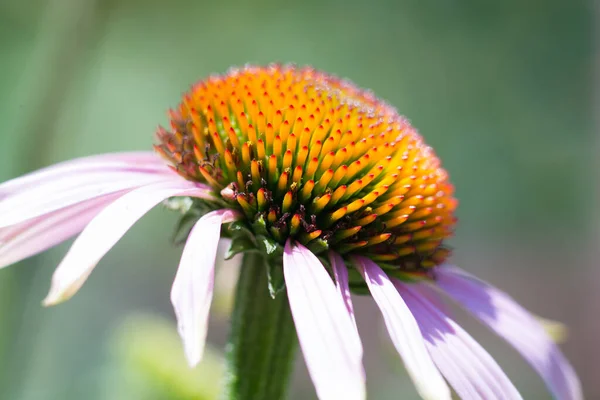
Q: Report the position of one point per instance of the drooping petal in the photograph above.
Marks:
(327, 335)
(340, 273)
(404, 332)
(191, 294)
(106, 229)
(470, 370)
(516, 325)
(141, 161)
(31, 237)
(66, 184)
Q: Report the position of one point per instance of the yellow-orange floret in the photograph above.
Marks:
(318, 160)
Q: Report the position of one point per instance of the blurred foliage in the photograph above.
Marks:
(501, 90)
(225, 281)
(148, 364)
(7, 287)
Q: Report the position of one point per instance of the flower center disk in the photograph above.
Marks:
(314, 158)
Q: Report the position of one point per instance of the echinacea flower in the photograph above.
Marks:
(334, 188)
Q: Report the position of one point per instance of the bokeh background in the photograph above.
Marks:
(504, 91)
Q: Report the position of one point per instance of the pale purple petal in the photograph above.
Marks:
(516, 325)
(31, 237)
(106, 229)
(470, 370)
(141, 161)
(192, 289)
(340, 273)
(327, 335)
(435, 298)
(403, 331)
(76, 181)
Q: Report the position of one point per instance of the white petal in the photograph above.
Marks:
(142, 161)
(105, 230)
(466, 365)
(192, 290)
(31, 237)
(327, 335)
(404, 332)
(66, 184)
(516, 325)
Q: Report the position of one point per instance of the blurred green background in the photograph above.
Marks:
(502, 90)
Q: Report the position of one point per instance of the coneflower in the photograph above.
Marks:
(325, 190)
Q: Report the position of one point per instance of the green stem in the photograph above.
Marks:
(262, 343)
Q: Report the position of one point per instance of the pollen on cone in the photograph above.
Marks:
(316, 158)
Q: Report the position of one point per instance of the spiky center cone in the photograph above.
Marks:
(316, 159)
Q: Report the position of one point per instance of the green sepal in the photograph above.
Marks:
(359, 288)
(184, 226)
(260, 226)
(271, 247)
(356, 282)
(239, 244)
(192, 210)
(318, 246)
(180, 204)
(276, 233)
(237, 227)
(240, 229)
(276, 281)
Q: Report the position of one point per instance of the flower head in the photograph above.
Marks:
(317, 160)
(335, 187)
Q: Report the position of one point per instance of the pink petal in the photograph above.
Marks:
(70, 183)
(106, 229)
(340, 273)
(192, 290)
(516, 325)
(145, 161)
(327, 335)
(36, 235)
(470, 370)
(404, 332)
